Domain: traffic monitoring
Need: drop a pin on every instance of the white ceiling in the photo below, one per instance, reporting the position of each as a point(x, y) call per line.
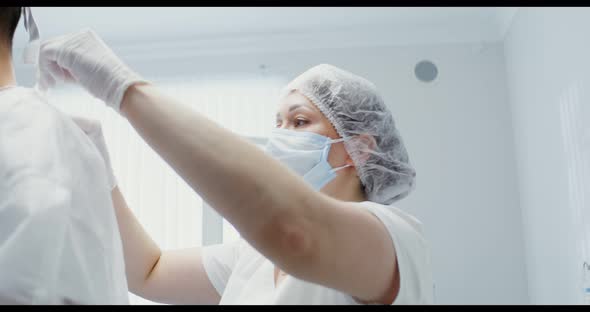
point(140, 24)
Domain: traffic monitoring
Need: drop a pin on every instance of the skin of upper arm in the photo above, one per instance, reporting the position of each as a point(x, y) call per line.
point(175, 276)
point(348, 249)
point(179, 277)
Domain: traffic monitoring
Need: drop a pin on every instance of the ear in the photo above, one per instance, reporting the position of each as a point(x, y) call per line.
point(364, 143)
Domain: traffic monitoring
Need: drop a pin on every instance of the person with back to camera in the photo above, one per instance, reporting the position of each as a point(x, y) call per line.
point(59, 237)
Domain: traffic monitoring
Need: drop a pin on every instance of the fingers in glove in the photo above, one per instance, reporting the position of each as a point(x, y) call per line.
point(58, 73)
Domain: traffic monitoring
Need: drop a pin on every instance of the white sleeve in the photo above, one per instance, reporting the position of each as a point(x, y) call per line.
point(413, 254)
point(219, 261)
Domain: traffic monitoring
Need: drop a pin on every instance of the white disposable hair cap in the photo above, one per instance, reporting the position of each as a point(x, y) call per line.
point(357, 111)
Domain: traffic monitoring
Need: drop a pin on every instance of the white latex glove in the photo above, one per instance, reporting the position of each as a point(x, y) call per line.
point(84, 58)
point(93, 130)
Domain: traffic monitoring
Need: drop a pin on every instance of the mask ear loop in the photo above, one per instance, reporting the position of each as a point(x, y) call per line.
point(31, 51)
point(341, 167)
point(338, 141)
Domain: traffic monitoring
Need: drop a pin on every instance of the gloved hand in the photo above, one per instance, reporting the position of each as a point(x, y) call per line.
point(93, 130)
point(84, 58)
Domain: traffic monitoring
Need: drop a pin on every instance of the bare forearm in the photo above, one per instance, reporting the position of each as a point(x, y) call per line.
point(140, 251)
point(249, 188)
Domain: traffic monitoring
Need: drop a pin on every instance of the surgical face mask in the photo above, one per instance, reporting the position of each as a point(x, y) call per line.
point(306, 153)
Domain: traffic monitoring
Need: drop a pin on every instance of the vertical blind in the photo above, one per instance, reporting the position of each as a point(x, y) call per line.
point(166, 206)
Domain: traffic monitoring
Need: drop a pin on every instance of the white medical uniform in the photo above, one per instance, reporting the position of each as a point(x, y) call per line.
point(241, 275)
point(59, 240)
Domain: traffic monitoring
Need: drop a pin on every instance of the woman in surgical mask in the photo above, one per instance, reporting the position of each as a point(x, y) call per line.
point(314, 209)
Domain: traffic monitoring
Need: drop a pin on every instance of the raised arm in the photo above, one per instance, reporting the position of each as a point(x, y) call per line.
point(305, 233)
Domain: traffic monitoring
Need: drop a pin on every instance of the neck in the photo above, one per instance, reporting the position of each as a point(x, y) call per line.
point(6, 70)
point(346, 187)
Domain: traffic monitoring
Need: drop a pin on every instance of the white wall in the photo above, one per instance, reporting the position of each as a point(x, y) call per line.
point(547, 52)
point(458, 133)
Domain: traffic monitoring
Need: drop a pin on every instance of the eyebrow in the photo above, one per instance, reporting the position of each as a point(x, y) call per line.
point(292, 108)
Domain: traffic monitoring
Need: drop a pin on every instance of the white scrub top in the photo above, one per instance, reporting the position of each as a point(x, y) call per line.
point(241, 275)
point(59, 239)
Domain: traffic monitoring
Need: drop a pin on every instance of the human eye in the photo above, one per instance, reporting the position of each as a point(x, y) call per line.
point(300, 122)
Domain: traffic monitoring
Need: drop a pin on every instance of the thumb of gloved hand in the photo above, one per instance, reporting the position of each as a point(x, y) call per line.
point(93, 130)
point(84, 58)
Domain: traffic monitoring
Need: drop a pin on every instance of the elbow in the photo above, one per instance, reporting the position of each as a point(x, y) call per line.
point(295, 245)
point(291, 237)
point(294, 238)
point(139, 284)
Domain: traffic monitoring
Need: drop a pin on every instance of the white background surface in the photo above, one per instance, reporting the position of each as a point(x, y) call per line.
point(548, 68)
